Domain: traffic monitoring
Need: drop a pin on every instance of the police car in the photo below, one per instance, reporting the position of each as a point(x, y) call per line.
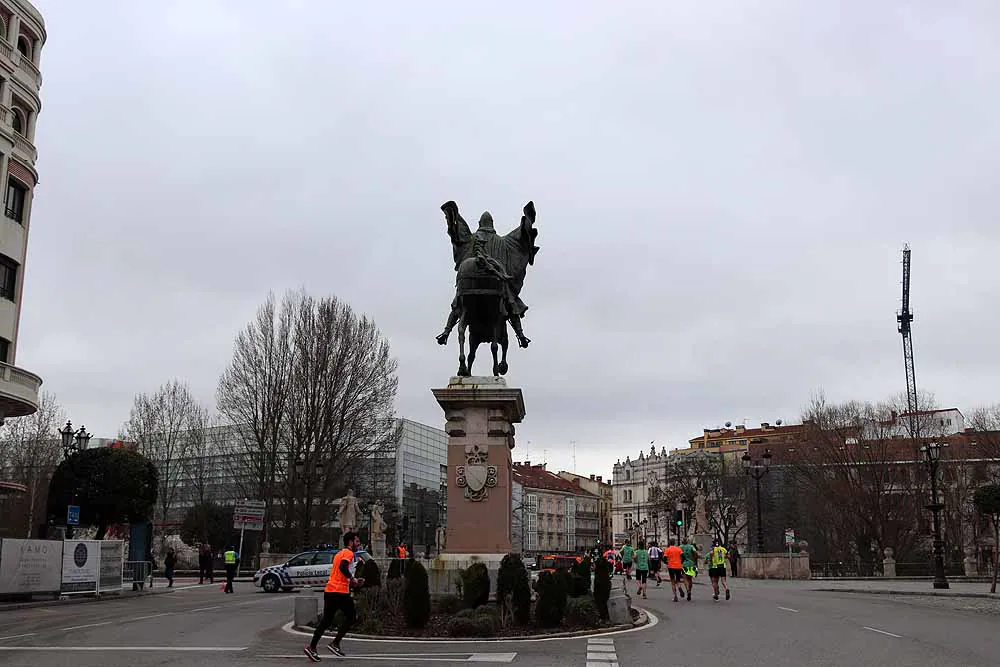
point(309, 568)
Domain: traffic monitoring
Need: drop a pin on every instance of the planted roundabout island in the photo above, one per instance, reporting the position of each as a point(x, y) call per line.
point(399, 605)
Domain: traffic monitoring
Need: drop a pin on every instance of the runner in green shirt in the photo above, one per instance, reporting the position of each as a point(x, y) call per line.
point(689, 559)
point(641, 568)
point(628, 554)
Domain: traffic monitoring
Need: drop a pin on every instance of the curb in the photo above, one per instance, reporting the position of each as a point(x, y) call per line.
point(642, 621)
point(83, 599)
point(932, 593)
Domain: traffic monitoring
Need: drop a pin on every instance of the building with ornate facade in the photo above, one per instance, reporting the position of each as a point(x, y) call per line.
point(22, 35)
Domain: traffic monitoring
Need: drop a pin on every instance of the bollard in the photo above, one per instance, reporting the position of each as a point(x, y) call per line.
point(306, 610)
point(619, 603)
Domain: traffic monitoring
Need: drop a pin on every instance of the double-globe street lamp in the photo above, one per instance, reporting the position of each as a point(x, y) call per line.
point(757, 470)
point(73, 442)
point(932, 456)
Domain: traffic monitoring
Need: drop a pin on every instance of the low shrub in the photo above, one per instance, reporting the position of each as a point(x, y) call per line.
point(449, 604)
point(469, 623)
point(581, 578)
point(582, 612)
point(395, 569)
point(416, 596)
point(514, 589)
point(476, 585)
point(371, 574)
point(602, 586)
point(551, 600)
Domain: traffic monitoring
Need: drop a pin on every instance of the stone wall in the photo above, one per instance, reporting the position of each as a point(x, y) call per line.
point(775, 566)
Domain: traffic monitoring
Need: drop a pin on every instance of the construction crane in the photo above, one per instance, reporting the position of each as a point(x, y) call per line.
point(905, 318)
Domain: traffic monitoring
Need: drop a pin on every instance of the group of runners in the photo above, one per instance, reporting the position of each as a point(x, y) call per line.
point(682, 566)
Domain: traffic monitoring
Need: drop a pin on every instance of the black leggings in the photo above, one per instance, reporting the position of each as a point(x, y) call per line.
point(332, 603)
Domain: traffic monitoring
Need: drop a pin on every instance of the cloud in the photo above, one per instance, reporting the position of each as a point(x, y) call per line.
point(722, 195)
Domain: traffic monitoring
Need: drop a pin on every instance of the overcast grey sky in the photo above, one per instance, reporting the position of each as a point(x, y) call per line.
point(723, 191)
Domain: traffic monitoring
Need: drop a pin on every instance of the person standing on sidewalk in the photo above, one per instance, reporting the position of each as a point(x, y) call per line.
point(337, 597)
point(232, 562)
point(641, 569)
point(734, 561)
point(169, 563)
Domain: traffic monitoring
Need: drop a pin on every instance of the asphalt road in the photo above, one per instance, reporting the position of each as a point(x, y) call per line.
point(766, 623)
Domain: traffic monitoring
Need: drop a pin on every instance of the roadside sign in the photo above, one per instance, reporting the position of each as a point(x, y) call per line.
point(789, 536)
point(73, 515)
point(249, 514)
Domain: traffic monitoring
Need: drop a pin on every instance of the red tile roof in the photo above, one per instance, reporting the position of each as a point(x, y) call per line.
point(537, 477)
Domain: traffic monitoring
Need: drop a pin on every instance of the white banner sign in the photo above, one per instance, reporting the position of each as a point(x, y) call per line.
point(30, 566)
point(112, 555)
point(81, 566)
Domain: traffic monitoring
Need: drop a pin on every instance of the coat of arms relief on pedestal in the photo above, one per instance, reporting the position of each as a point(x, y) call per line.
point(476, 477)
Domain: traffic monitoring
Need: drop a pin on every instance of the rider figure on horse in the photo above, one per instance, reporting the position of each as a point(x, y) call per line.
point(512, 306)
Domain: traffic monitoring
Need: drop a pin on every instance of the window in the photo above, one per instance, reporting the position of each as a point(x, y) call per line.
point(8, 277)
point(628, 475)
point(323, 558)
point(4, 350)
point(17, 120)
point(24, 47)
point(16, 193)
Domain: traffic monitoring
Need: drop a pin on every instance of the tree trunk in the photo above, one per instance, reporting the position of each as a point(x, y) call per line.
point(996, 554)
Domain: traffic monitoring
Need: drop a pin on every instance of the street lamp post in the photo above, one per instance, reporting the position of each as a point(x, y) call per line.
point(306, 475)
point(932, 456)
point(757, 470)
point(73, 442)
point(685, 505)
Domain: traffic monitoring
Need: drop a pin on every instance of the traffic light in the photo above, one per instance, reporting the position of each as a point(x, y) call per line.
point(678, 517)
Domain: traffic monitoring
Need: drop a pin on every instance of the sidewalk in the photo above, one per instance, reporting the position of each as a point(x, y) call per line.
point(159, 588)
point(891, 587)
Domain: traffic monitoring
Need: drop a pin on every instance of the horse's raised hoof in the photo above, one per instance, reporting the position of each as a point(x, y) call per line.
point(523, 341)
point(503, 368)
point(442, 338)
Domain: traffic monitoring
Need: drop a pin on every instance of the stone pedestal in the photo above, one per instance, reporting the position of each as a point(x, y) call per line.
point(888, 564)
point(703, 542)
point(619, 602)
point(480, 413)
point(970, 563)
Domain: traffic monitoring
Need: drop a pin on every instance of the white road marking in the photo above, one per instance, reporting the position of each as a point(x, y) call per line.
point(89, 625)
point(882, 632)
point(423, 657)
point(794, 611)
point(206, 608)
point(143, 618)
point(601, 653)
point(29, 634)
point(591, 663)
point(653, 621)
point(595, 640)
point(123, 648)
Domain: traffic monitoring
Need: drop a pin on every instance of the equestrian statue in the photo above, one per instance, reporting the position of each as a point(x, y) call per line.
point(490, 272)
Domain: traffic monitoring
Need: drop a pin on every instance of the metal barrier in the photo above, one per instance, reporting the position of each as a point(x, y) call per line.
point(138, 573)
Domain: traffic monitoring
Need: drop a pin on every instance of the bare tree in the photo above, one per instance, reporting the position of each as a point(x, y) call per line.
point(313, 387)
point(343, 392)
point(724, 489)
point(856, 482)
point(161, 424)
point(29, 452)
point(985, 421)
point(253, 395)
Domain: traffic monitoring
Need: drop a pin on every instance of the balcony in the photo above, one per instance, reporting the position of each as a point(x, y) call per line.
point(29, 68)
point(24, 148)
point(18, 391)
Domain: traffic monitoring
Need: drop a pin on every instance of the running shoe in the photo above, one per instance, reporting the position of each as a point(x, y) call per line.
point(311, 653)
point(336, 650)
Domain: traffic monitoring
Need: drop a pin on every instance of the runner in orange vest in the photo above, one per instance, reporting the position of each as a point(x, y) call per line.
point(337, 597)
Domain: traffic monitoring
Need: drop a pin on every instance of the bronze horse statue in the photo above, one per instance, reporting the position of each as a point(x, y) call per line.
point(490, 272)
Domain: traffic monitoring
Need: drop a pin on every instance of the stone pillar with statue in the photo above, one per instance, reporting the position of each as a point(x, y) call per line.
point(481, 411)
